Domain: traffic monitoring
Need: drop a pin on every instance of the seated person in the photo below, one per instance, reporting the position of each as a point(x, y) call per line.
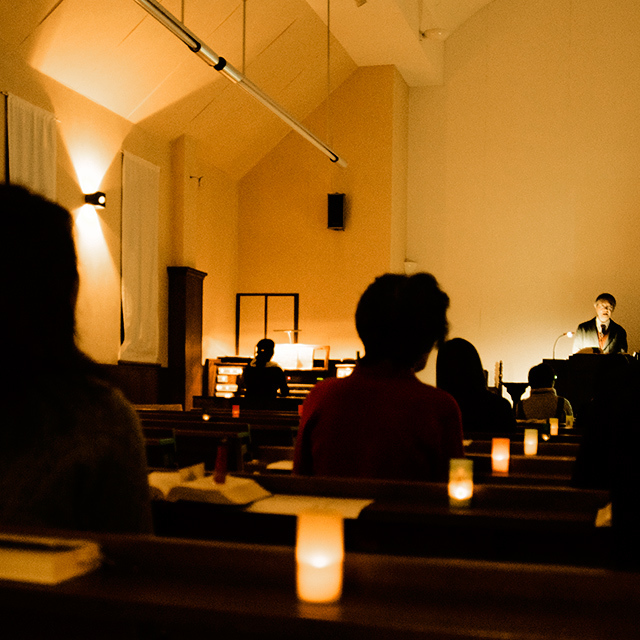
point(544, 402)
point(601, 334)
point(381, 421)
point(459, 371)
point(262, 379)
point(71, 448)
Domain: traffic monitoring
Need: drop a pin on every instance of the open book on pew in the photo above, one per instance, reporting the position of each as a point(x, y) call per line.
point(191, 483)
point(46, 560)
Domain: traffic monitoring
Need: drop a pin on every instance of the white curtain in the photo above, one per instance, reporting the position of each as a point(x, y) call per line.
point(32, 147)
point(140, 203)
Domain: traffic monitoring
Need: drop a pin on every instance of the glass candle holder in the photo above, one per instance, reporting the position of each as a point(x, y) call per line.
point(500, 452)
point(460, 482)
point(319, 556)
point(553, 426)
point(530, 442)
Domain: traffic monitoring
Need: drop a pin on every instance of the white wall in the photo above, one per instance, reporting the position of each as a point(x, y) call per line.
point(524, 198)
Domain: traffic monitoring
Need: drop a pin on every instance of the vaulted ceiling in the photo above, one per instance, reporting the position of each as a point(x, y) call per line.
point(116, 54)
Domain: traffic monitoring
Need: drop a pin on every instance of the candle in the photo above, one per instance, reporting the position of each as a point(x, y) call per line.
point(530, 442)
point(460, 482)
point(319, 556)
point(500, 455)
point(569, 422)
point(235, 411)
point(553, 426)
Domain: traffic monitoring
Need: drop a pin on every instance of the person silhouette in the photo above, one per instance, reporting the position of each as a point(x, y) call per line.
point(71, 448)
point(381, 421)
point(262, 380)
point(459, 371)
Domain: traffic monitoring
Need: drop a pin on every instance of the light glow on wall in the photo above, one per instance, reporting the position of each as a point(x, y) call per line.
point(89, 236)
point(98, 302)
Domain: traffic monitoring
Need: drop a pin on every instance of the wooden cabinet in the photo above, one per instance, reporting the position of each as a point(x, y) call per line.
point(185, 334)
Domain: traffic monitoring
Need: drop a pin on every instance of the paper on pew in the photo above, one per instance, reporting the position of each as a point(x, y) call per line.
point(191, 484)
point(603, 517)
point(292, 505)
point(281, 465)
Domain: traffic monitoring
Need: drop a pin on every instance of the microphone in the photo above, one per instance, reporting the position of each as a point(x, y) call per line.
point(569, 334)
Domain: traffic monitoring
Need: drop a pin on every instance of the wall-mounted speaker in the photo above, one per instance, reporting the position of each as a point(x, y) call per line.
point(335, 217)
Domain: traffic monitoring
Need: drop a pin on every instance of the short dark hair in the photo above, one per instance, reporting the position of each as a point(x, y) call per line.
point(401, 318)
point(541, 376)
point(265, 349)
point(38, 280)
point(608, 297)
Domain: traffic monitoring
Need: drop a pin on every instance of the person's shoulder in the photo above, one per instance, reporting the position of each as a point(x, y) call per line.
point(586, 324)
point(496, 399)
point(617, 327)
point(110, 404)
point(329, 384)
point(435, 394)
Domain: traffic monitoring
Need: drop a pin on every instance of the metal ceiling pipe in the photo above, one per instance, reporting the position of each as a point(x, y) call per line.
point(198, 47)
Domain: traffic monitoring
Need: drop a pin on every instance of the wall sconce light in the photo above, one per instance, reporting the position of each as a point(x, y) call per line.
point(97, 199)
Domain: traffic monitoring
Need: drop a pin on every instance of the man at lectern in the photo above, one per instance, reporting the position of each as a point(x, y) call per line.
point(601, 334)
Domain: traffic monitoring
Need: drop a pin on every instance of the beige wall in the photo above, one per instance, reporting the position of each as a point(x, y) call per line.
point(198, 212)
point(284, 243)
point(524, 198)
point(207, 214)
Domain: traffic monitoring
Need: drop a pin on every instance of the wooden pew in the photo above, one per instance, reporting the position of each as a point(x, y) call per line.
point(264, 429)
point(551, 448)
point(541, 470)
point(514, 523)
point(192, 446)
point(150, 587)
point(160, 445)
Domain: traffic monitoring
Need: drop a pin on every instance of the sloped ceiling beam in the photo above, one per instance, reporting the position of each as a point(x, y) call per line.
point(203, 51)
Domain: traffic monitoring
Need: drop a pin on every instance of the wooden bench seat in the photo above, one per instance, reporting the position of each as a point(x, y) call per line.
point(150, 587)
point(529, 524)
point(183, 447)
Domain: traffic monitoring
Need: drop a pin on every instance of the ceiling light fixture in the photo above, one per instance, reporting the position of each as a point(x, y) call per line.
point(220, 64)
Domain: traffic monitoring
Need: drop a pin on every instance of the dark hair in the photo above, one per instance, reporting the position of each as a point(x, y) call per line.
point(608, 297)
point(264, 349)
point(541, 376)
point(459, 368)
point(38, 284)
point(401, 318)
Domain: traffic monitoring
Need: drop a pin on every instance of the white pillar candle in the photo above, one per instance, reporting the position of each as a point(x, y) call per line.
point(530, 442)
point(460, 482)
point(500, 451)
point(553, 426)
point(319, 556)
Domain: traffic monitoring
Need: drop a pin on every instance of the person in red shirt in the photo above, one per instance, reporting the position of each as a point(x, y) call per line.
point(381, 421)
